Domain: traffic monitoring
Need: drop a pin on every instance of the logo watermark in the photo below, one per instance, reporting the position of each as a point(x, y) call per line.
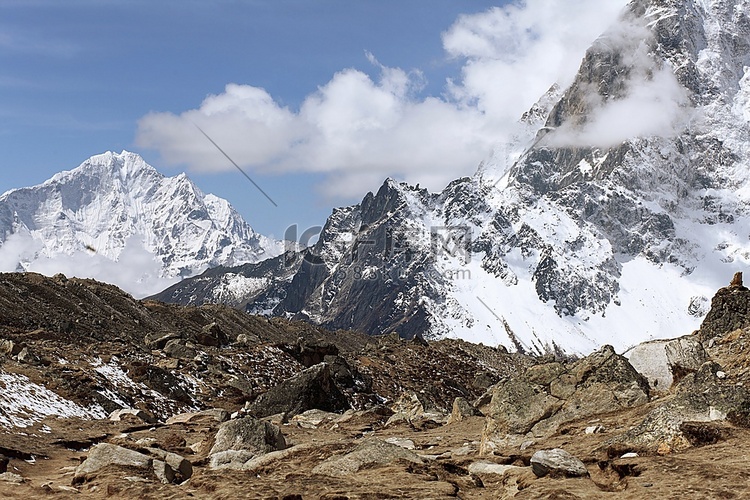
point(390, 256)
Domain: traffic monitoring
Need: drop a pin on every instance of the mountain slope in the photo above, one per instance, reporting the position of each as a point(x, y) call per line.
point(116, 207)
point(625, 205)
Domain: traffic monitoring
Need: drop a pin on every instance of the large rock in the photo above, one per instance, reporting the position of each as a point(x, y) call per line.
point(685, 355)
point(211, 335)
point(462, 409)
point(517, 405)
point(210, 416)
point(313, 388)
point(370, 452)
point(250, 435)
point(664, 362)
point(730, 310)
point(175, 348)
point(182, 467)
point(132, 413)
point(650, 360)
point(104, 454)
point(548, 395)
point(700, 397)
point(557, 462)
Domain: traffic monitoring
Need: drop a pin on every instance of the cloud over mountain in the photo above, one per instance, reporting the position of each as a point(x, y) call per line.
point(357, 129)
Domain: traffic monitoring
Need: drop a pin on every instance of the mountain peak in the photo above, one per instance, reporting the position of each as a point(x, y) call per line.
point(115, 207)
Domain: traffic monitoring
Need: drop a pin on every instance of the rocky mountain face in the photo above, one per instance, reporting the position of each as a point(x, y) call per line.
point(102, 395)
point(617, 211)
point(117, 207)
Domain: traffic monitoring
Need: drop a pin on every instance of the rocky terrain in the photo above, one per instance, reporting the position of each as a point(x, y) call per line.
point(102, 395)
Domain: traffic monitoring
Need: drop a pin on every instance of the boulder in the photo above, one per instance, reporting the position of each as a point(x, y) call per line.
point(312, 352)
point(483, 380)
point(133, 413)
point(182, 468)
point(557, 462)
point(248, 434)
point(462, 409)
point(650, 360)
point(313, 388)
point(159, 340)
point(212, 415)
point(700, 397)
point(176, 349)
point(663, 362)
point(730, 310)
point(105, 454)
point(517, 405)
point(211, 335)
point(164, 472)
point(548, 395)
point(369, 453)
point(685, 355)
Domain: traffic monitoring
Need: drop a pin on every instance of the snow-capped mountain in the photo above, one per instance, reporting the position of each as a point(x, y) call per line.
point(620, 207)
point(116, 207)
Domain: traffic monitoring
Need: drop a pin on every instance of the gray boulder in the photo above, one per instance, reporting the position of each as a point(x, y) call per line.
point(182, 467)
point(664, 362)
point(248, 434)
point(700, 397)
point(369, 453)
point(105, 454)
point(549, 395)
point(462, 409)
point(176, 349)
point(134, 413)
point(730, 310)
point(313, 388)
point(557, 462)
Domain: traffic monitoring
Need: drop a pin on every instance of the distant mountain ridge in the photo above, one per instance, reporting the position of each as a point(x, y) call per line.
point(114, 205)
point(621, 206)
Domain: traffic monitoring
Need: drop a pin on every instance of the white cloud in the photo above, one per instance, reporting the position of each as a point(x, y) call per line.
point(136, 270)
point(355, 128)
point(653, 102)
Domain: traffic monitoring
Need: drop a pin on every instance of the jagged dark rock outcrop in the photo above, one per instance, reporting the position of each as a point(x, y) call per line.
point(730, 310)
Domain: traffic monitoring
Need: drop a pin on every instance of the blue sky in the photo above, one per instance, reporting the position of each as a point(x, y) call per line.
point(318, 101)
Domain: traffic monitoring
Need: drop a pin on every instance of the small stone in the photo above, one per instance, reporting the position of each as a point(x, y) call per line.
point(488, 469)
point(629, 455)
point(721, 374)
point(526, 444)
point(10, 477)
point(594, 429)
point(716, 414)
